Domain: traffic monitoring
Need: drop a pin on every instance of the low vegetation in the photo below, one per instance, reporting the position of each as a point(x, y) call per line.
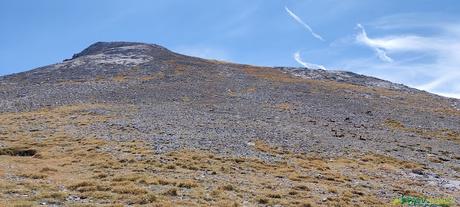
point(43, 162)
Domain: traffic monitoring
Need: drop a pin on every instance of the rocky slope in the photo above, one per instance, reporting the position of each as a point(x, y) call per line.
point(171, 102)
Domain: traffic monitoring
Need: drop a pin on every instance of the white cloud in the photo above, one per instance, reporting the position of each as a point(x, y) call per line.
point(382, 55)
point(306, 64)
point(300, 21)
point(437, 57)
point(401, 43)
point(362, 38)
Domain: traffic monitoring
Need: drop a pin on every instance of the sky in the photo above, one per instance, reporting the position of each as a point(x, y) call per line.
point(413, 42)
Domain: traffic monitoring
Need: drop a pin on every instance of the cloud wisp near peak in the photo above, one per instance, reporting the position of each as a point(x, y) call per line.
point(300, 21)
point(299, 60)
point(379, 51)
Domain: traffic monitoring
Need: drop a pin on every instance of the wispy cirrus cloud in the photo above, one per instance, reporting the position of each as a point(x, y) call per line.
point(300, 21)
point(421, 50)
point(307, 64)
point(437, 68)
point(296, 55)
point(374, 44)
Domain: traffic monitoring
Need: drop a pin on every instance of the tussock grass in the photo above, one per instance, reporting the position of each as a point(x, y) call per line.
point(92, 169)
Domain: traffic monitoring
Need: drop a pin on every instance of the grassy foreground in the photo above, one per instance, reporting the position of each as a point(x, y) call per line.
point(42, 162)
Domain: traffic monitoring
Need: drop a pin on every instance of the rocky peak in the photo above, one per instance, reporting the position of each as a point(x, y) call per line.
point(346, 77)
point(122, 48)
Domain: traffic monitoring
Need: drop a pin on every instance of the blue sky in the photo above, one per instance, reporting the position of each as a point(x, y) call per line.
point(415, 42)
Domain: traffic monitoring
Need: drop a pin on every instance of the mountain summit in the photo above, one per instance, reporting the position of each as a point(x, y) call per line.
point(129, 113)
point(120, 48)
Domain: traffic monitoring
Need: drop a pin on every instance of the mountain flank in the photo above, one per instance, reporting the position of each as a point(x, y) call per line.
point(124, 123)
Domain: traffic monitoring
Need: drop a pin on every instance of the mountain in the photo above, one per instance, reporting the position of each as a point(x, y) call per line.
point(134, 123)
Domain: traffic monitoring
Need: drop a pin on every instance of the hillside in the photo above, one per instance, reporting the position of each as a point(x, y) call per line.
point(124, 123)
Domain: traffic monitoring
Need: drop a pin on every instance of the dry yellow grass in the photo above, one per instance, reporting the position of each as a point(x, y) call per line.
point(69, 171)
point(272, 74)
point(419, 101)
point(119, 78)
point(284, 106)
point(446, 134)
